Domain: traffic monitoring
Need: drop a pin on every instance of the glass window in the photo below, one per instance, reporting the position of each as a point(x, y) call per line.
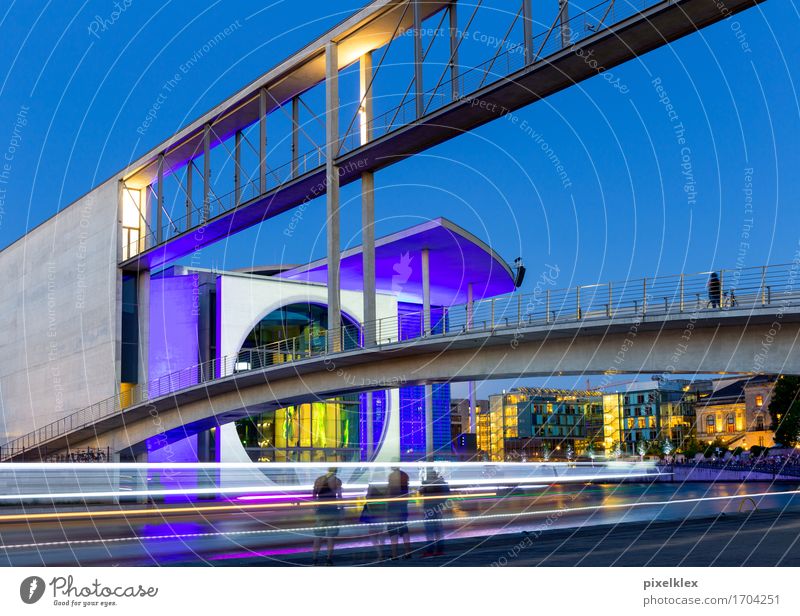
point(759, 400)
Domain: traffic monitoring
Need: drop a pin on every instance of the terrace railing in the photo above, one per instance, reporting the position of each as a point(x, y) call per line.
point(740, 290)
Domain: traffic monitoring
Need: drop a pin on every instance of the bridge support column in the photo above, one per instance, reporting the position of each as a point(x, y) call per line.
point(295, 136)
point(429, 423)
point(426, 293)
point(143, 323)
point(237, 167)
point(426, 326)
point(332, 193)
point(160, 201)
point(454, 89)
point(206, 172)
point(418, 87)
point(262, 140)
point(473, 423)
point(527, 29)
point(566, 35)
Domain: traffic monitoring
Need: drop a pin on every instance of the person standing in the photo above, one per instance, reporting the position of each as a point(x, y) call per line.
point(714, 290)
point(436, 487)
point(327, 490)
point(374, 514)
point(397, 511)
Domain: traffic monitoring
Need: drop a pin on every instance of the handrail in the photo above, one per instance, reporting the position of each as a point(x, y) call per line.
point(652, 298)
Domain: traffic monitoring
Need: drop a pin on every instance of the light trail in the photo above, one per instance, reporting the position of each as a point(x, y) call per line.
point(310, 529)
point(33, 517)
point(288, 490)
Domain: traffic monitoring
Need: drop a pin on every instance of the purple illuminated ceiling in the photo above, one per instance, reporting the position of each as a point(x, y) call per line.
point(457, 258)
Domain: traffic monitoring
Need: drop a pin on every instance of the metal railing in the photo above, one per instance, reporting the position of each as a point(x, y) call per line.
point(580, 26)
point(740, 289)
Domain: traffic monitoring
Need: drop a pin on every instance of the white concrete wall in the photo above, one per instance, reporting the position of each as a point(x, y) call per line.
point(244, 300)
point(58, 315)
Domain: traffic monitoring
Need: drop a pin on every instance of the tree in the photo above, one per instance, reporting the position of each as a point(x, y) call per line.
point(784, 408)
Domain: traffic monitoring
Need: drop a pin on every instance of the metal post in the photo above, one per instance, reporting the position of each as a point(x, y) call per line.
point(189, 202)
point(332, 189)
point(565, 29)
point(368, 253)
point(426, 293)
point(519, 308)
point(547, 306)
point(454, 50)
point(237, 164)
point(578, 301)
point(527, 29)
point(644, 296)
point(418, 87)
point(262, 140)
point(491, 314)
point(610, 300)
point(206, 172)
point(681, 292)
point(763, 285)
point(365, 91)
point(296, 136)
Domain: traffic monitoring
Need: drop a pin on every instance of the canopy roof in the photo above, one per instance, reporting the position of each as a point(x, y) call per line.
point(456, 259)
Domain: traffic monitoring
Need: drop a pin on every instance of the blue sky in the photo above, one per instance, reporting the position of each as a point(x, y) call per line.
point(626, 213)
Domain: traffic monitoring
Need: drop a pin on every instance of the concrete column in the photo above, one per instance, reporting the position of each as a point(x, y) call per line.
point(189, 188)
point(527, 29)
point(365, 96)
point(332, 193)
point(418, 86)
point(295, 137)
point(368, 255)
point(565, 34)
point(426, 292)
point(160, 201)
point(472, 396)
point(429, 422)
point(140, 475)
point(456, 94)
point(237, 167)
point(206, 172)
point(262, 140)
point(143, 313)
point(370, 427)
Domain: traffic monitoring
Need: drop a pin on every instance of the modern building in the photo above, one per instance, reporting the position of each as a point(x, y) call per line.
point(531, 423)
point(652, 412)
point(180, 317)
point(736, 413)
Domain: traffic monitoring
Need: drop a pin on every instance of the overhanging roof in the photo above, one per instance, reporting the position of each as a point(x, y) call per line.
point(456, 259)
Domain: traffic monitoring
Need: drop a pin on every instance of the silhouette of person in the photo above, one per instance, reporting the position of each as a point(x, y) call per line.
point(434, 485)
point(374, 512)
point(327, 489)
point(714, 290)
point(397, 511)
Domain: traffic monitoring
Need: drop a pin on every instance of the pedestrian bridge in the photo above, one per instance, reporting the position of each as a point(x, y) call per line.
point(660, 325)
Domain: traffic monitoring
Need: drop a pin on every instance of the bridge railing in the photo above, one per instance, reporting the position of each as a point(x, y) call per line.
point(508, 59)
point(740, 289)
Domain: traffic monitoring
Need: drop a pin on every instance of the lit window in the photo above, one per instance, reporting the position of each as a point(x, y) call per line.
point(759, 400)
